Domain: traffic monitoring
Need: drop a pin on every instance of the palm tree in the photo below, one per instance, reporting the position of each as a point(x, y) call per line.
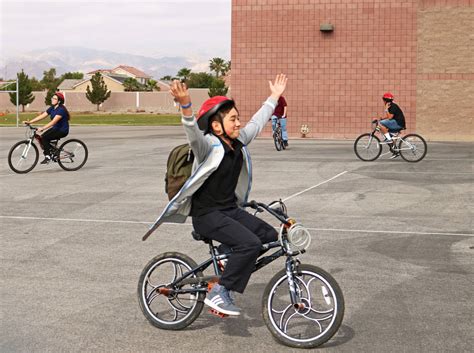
point(184, 73)
point(217, 65)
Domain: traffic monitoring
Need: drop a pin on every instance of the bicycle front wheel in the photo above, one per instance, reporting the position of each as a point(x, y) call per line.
point(312, 323)
point(367, 147)
point(169, 307)
point(277, 140)
point(412, 148)
point(72, 155)
point(23, 157)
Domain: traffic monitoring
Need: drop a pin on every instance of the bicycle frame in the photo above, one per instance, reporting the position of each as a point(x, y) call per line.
point(290, 264)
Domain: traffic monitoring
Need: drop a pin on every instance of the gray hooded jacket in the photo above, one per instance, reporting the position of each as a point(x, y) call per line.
point(209, 152)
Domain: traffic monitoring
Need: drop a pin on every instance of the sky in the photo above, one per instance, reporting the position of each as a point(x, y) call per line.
point(155, 28)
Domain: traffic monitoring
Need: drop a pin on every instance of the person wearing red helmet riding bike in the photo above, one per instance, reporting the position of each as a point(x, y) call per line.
point(393, 119)
point(57, 128)
point(220, 183)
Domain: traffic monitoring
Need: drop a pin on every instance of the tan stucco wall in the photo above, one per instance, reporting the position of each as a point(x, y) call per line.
point(444, 111)
point(445, 68)
point(112, 85)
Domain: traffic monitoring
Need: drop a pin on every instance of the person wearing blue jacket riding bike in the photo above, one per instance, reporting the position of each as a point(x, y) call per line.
point(57, 128)
point(220, 183)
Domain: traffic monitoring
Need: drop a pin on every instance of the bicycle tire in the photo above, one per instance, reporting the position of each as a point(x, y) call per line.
point(283, 146)
point(412, 148)
point(277, 141)
point(367, 147)
point(147, 293)
point(72, 157)
point(14, 161)
point(328, 295)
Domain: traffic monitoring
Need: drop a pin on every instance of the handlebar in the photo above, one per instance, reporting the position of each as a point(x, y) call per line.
point(259, 207)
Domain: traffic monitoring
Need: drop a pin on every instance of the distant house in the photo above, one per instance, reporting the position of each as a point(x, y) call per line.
point(113, 78)
point(114, 83)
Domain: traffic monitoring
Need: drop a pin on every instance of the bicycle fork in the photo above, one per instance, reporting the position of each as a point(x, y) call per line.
point(292, 268)
point(26, 150)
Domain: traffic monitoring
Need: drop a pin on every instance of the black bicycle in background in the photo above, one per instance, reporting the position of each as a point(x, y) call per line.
point(411, 147)
point(278, 136)
point(302, 305)
point(24, 155)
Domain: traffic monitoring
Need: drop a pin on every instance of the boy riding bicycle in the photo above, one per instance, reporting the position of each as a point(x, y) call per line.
point(220, 183)
point(393, 120)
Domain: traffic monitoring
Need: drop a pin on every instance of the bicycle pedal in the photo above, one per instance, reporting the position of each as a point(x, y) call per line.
point(216, 313)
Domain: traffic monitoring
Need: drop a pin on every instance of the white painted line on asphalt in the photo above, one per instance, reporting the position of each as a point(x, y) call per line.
point(387, 232)
point(75, 220)
point(390, 172)
point(190, 225)
point(314, 186)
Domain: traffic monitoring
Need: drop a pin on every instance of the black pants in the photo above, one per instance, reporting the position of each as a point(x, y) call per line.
point(244, 233)
point(48, 136)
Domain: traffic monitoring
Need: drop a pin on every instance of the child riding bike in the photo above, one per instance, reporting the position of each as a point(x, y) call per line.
point(393, 120)
point(220, 183)
point(57, 128)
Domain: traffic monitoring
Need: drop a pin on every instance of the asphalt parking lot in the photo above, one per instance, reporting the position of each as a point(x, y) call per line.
point(398, 238)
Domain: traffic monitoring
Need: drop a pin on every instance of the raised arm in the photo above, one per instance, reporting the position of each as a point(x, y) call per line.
point(263, 115)
point(199, 144)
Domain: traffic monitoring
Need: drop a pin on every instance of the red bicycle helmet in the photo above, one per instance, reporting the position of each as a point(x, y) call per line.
point(388, 95)
point(60, 96)
point(209, 108)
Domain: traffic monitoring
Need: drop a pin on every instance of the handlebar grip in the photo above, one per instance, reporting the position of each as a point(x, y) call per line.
point(252, 204)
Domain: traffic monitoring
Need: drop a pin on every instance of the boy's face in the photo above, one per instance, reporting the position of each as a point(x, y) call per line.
point(231, 124)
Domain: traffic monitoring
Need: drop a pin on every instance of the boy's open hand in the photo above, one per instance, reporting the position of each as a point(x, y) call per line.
point(278, 87)
point(179, 91)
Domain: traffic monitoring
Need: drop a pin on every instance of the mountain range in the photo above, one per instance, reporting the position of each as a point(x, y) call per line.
point(72, 59)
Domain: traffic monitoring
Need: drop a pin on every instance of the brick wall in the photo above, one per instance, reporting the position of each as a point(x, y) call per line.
point(337, 78)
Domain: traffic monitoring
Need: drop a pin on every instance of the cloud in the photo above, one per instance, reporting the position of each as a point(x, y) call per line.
point(145, 27)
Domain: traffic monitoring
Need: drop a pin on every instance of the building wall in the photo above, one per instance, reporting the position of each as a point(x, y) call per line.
point(337, 78)
point(112, 85)
point(445, 67)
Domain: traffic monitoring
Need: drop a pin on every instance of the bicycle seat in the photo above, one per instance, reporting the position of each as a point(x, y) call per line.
point(199, 237)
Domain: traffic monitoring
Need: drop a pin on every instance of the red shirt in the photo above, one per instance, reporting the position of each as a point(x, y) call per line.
point(280, 108)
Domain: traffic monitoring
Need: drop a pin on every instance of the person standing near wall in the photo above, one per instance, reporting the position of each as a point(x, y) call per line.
point(280, 113)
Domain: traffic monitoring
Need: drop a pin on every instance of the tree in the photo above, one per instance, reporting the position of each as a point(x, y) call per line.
point(130, 84)
point(72, 75)
point(217, 88)
point(51, 83)
point(167, 78)
point(24, 91)
point(199, 80)
point(184, 73)
point(98, 94)
point(218, 65)
point(36, 85)
point(151, 85)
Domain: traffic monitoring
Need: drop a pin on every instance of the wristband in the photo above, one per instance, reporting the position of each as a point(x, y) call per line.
point(186, 106)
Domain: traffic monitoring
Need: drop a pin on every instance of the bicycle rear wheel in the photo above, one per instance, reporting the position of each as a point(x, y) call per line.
point(163, 307)
point(23, 157)
point(277, 140)
point(367, 147)
point(412, 148)
point(72, 155)
point(308, 326)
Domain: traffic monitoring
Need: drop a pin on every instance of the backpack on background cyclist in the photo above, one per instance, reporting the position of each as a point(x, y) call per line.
point(219, 184)
point(57, 128)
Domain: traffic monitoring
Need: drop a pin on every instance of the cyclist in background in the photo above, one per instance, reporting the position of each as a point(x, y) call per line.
point(280, 113)
point(392, 121)
point(57, 128)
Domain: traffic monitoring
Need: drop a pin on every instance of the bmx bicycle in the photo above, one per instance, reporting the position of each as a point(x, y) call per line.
point(411, 147)
point(302, 305)
point(24, 155)
point(278, 136)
